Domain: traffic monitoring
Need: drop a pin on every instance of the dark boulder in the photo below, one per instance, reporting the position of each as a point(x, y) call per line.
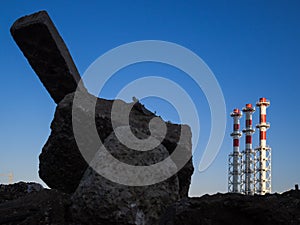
point(61, 163)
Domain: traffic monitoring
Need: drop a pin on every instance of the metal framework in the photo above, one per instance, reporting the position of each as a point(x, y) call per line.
point(235, 158)
point(248, 169)
point(234, 171)
point(249, 172)
point(263, 152)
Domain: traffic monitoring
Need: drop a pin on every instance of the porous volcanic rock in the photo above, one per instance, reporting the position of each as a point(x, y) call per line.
point(236, 209)
point(52, 207)
point(61, 163)
point(45, 207)
point(18, 190)
point(98, 200)
point(63, 167)
point(45, 50)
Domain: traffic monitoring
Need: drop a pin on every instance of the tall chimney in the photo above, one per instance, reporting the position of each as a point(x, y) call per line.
point(248, 161)
point(235, 157)
point(263, 151)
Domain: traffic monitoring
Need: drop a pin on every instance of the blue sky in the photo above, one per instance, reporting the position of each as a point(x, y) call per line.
point(252, 47)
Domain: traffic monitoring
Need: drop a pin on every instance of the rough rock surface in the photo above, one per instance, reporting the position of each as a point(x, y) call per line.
point(98, 200)
point(236, 209)
point(46, 207)
point(51, 207)
point(17, 190)
point(62, 165)
point(47, 54)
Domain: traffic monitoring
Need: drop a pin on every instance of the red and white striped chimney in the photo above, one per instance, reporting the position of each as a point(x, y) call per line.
point(263, 126)
point(236, 135)
point(248, 161)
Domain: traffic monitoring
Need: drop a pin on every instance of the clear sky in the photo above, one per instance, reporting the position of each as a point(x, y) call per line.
point(252, 47)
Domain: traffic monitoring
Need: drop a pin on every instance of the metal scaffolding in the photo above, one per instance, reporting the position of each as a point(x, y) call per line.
point(249, 171)
point(263, 152)
point(234, 171)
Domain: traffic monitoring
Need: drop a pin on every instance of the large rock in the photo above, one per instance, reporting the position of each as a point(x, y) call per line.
point(61, 163)
point(47, 54)
point(98, 200)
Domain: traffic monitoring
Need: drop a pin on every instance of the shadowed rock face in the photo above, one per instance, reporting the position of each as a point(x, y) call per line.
point(61, 163)
point(47, 54)
point(30, 204)
point(51, 207)
point(17, 190)
point(236, 209)
point(126, 204)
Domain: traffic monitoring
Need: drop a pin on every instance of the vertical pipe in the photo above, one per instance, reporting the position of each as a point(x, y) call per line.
point(248, 171)
point(236, 135)
point(262, 149)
